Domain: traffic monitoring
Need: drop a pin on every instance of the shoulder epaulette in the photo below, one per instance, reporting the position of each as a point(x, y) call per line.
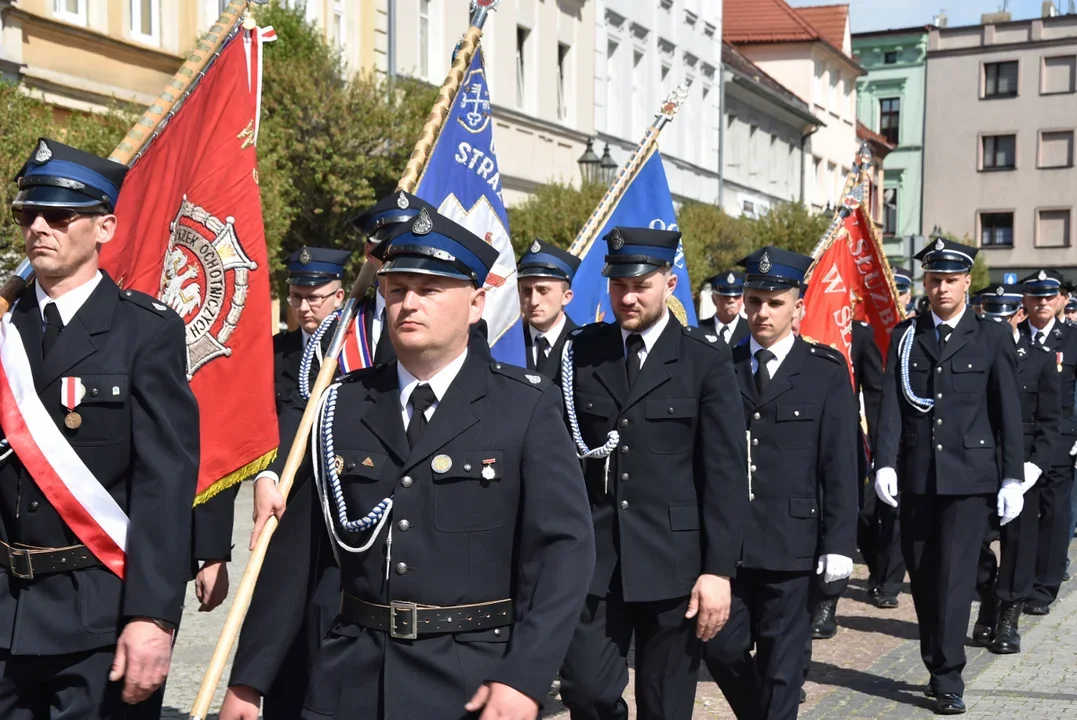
point(825, 351)
point(701, 335)
point(589, 329)
point(522, 375)
point(359, 374)
point(145, 301)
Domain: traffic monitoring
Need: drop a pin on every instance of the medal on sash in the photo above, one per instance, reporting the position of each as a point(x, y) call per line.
point(71, 393)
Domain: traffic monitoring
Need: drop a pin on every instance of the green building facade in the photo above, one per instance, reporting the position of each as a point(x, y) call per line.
point(890, 101)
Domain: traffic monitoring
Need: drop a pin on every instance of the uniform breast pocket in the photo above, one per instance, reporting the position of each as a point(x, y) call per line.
point(359, 466)
point(796, 425)
point(969, 375)
point(670, 424)
point(470, 496)
point(590, 406)
point(102, 417)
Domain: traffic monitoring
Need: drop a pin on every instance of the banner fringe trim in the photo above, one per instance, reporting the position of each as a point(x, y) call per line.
point(236, 476)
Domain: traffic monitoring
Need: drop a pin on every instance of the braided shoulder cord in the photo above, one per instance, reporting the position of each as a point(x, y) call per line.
point(309, 351)
point(923, 405)
point(324, 454)
point(567, 379)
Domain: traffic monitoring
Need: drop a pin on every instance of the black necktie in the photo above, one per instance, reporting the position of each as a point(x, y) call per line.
point(762, 373)
point(725, 334)
point(54, 324)
point(944, 335)
point(633, 344)
point(422, 397)
point(542, 349)
point(1041, 338)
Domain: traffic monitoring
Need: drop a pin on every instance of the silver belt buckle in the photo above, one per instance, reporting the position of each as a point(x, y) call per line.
point(18, 558)
point(401, 607)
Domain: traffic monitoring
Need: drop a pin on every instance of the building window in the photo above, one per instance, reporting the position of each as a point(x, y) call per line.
point(424, 38)
point(890, 119)
point(146, 20)
point(819, 85)
point(1053, 228)
point(340, 30)
point(890, 212)
point(1058, 75)
point(72, 11)
point(1056, 149)
point(835, 77)
point(639, 86)
point(1000, 79)
point(890, 57)
point(613, 90)
point(522, 34)
point(562, 82)
point(998, 152)
point(996, 229)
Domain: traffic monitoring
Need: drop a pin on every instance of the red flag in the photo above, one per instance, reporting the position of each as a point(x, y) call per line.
point(850, 279)
point(190, 233)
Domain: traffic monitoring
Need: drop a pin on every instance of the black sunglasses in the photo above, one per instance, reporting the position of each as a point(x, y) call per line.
point(55, 217)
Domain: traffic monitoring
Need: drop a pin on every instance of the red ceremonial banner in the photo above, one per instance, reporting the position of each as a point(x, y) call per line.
point(190, 233)
point(850, 280)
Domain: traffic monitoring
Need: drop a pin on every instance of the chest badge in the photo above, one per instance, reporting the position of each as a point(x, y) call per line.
point(488, 472)
point(72, 391)
point(368, 463)
point(338, 464)
point(441, 464)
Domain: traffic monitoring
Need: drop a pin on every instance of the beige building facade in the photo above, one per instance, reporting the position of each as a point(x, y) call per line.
point(999, 140)
point(88, 54)
point(539, 58)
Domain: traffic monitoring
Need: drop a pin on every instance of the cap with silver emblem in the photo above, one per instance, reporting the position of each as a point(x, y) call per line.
point(545, 259)
point(57, 175)
point(434, 245)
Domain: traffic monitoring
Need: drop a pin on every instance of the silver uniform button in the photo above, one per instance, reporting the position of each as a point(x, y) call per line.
point(624, 504)
point(403, 526)
point(406, 481)
point(939, 421)
point(939, 448)
point(756, 416)
point(939, 396)
point(755, 441)
point(938, 369)
point(497, 632)
point(401, 568)
point(624, 449)
point(753, 468)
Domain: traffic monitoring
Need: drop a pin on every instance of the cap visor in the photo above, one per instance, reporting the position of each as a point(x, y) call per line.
point(421, 266)
point(309, 281)
point(52, 196)
point(541, 272)
point(770, 285)
point(626, 270)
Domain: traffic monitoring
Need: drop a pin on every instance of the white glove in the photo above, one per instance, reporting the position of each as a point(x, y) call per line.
point(1032, 474)
point(1073, 450)
point(1011, 500)
point(886, 485)
point(837, 567)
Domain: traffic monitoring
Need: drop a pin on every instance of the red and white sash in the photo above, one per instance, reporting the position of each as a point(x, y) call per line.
point(72, 490)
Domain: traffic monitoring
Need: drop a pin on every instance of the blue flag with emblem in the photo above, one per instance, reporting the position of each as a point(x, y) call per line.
point(645, 203)
point(462, 181)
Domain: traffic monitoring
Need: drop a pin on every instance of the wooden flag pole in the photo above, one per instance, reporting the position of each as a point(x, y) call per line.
point(152, 120)
point(419, 157)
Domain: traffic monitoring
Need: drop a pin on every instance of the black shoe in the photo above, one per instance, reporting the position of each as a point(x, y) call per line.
point(929, 692)
point(1035, 607)
point(1007, 638)
point(824, 622)
point(983, 632)
point(803, 696)
point(884, 600)
point(949, 704)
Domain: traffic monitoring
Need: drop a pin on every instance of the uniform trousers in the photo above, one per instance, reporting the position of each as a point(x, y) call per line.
point(1052, 548)
point(1009, 578)
point(667, 653)
point(771, 612)
point(941, 536)
point(73, 686)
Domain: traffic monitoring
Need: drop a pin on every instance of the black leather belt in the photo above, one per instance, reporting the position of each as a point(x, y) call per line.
point(407, 621)
point(28, 562)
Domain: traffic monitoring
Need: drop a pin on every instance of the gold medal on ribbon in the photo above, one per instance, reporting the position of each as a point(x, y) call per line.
point(72, 420)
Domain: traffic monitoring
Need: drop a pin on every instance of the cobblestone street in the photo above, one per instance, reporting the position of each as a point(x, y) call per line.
point(872, 669)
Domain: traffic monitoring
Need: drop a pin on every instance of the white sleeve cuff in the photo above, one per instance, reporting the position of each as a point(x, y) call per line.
point(268, 474)
point(1032, 472)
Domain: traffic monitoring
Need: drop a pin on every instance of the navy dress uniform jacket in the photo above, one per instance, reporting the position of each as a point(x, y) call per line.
point(868, 374)
point(1062, 343)
point(804, 459)
point(140, 443)
point(1041, 409)
point(677, 489)
point(552, 367)
point(458, 538)
point(740, 332)
point(972, 439)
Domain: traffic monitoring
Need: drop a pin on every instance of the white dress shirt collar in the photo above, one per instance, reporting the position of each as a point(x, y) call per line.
point(69, 303)
point(650, 335)
point(780, 349)
point(952, 322)
point(552, 335)
point(439, 384)
point(1046, 329)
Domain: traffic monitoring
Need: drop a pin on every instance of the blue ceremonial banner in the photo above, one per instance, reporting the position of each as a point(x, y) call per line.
point(645, 203)
point(462, 180)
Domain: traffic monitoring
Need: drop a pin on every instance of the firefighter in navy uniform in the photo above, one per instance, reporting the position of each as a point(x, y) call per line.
point(727, 293)
point(802, 421)
point(1041, 303)
point(545, 274)
point(903, 284)
point(1004, 586)
point(949, 434)
point(456, 504)
point(668, 498)
point(276, 665)
point(66, 618)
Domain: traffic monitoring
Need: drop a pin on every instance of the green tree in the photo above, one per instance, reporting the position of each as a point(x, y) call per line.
point(791, 226)
point(713, 241)
point(556, 213)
